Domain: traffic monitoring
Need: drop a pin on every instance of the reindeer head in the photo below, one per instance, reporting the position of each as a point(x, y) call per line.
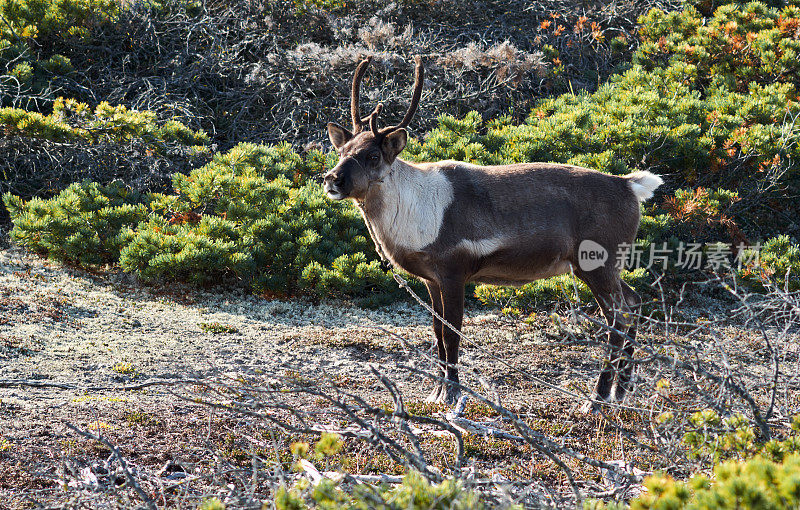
point(366, 157)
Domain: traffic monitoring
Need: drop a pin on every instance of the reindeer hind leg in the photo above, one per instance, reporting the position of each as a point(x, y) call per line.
point(625, 365)
point(607, 289)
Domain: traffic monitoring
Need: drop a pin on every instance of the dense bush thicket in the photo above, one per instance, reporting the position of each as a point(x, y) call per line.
point(46, 153)
point(49, 142)
point(253, 214)
point(709, 100)
point(275, 70)
point(85, 224)
point(72, 121)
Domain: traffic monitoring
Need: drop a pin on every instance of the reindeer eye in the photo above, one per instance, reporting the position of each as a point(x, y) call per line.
point(373, 157)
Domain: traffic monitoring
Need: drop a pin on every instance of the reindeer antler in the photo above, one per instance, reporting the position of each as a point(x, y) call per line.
point(419, 78)
point(355, 114)
point(373, 118)
point(358, 122)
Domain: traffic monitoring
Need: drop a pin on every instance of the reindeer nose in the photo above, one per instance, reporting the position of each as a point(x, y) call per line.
point(337, 178)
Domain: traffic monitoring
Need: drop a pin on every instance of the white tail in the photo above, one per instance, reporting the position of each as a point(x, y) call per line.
point(643, 184)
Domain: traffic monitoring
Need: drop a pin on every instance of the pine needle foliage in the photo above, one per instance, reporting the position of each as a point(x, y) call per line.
point(756, 483)
point(736, 470)
point(86, 224)
point(256, 213)
point(72, 121)
point(33, 33)
point(415, 493)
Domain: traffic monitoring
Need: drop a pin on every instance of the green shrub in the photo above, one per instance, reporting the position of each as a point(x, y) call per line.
point(742, 43)
point(746, 473)
point(253, 213)
point(415, 493)
point(657, 119)
point(35, 33)
point(534, 294)
point(74, 121)
point(756, 483)
point(778, 262)
point(103, 143)
point(710, 438)
point(85, 224)
point(713, 438)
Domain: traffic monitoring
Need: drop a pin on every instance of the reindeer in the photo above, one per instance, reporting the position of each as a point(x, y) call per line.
point(450, 223)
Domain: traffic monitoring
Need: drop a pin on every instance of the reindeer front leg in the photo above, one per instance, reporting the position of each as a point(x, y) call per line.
point(453, 306)
point(447, 300)
point(435, 292)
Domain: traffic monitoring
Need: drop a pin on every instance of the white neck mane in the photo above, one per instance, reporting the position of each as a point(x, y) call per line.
point(413, 203)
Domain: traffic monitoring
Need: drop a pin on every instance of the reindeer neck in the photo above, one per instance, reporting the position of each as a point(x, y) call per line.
point(407, 208)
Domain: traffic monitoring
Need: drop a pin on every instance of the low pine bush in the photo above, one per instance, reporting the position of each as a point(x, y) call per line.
point(252, 214)
point(563, 288)
point(86, 224)
point(414, 493)
point(735, 470)
point(756, 483)
point(35, 34)
point(73, 121)
point(255, 213)
point(777, 262)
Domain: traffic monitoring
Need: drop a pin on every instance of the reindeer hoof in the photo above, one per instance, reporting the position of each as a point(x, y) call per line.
point(620, 391)
point(593, 405)
point(590, 407)
point(444, 394)
point(451, 395)
point(437, 395)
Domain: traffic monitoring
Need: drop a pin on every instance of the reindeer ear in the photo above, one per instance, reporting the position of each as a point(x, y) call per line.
point(338, 135)
point(395, 142)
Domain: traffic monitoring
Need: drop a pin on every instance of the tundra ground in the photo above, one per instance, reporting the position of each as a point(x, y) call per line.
point(95, 333)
